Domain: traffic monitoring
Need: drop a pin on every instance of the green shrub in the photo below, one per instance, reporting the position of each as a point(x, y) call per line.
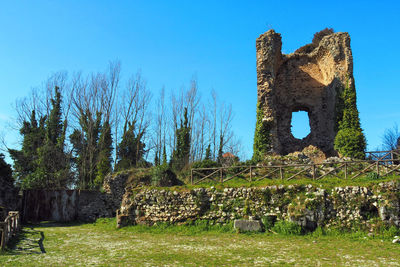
point(207, 163)
point(390, 232)
point(287, 228)
point(372, 176)
point(349, 140)
point(163, 176)
point(351, 143)
point(268, 222)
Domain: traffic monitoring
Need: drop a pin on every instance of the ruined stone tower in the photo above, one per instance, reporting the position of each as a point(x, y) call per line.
point(311, 79)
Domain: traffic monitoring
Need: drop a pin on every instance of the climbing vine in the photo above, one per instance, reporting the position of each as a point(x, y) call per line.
point(262, 136)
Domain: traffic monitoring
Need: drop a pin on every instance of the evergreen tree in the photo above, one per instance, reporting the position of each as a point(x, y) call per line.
point(86, 150)
point(181, 153)
point(156, 160)
point(5, 170)
point(25, 160)
point(131, 149)
point(105, 154)
point(53, 169)
point(164, 156)
point(350, 140)
point(208, 153)
point(220, 152)
point(54, 124)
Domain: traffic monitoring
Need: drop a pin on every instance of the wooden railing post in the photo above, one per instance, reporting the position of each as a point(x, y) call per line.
point(352, 173)
point(313, 171)
point(9, 230)
point(9, 227)
point(377, 167)
point(3, 235)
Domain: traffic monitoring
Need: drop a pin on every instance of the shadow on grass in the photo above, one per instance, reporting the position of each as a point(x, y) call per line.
point(30, 239)
point(27, 241)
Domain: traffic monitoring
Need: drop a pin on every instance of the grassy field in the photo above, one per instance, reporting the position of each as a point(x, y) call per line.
point(100, 244)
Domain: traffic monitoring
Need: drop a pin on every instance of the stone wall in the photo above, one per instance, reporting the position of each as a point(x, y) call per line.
point(306, 205)
point(64, 205)
point(75, 205)
point(114, 187)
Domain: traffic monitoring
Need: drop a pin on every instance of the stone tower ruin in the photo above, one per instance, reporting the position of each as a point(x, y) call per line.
point(311, 79)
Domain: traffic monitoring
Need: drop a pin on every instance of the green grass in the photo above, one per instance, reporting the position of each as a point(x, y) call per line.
point(328, 182)
point(194, 244)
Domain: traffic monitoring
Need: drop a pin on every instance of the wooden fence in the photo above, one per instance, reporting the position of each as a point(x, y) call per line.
point(9, 227)
point(382, 163)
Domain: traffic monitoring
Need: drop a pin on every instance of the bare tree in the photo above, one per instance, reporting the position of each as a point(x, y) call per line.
point(160, 128)
point(93, 99)
point(225, 127)
point(391, 138)
point(221, 136)
point(134, 108)
point(177, 107)
point(40, 97)
point(190, 100)
point(200, 139)
point(214, 123)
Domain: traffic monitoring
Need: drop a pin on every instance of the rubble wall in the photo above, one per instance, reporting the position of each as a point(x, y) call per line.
point(307, 206)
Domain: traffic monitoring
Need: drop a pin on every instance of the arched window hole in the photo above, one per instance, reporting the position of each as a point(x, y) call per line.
point(300, 124)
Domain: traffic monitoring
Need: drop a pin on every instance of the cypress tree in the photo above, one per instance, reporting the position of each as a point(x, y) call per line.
point(85, 143)
point(181, 153)
point(350, 140)
point(131, 149)
point(105, 154)
point(5, 170)
point(53, 169)
point(164, 156)
point(208, 153)
point(156, 160)
point(25, 160)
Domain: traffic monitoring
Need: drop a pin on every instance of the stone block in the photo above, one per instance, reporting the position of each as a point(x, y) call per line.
point(248, 225)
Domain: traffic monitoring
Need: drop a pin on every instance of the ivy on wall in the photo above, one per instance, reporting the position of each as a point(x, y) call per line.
point(262, 136)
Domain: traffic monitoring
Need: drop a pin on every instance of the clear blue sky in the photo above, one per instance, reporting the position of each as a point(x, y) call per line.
point(170, 41)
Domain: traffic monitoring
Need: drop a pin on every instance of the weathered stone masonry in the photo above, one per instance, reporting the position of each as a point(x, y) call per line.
point(310, 80)
point(306, 205)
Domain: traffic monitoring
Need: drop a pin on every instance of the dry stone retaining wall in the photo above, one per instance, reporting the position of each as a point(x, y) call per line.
point(308, 206)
